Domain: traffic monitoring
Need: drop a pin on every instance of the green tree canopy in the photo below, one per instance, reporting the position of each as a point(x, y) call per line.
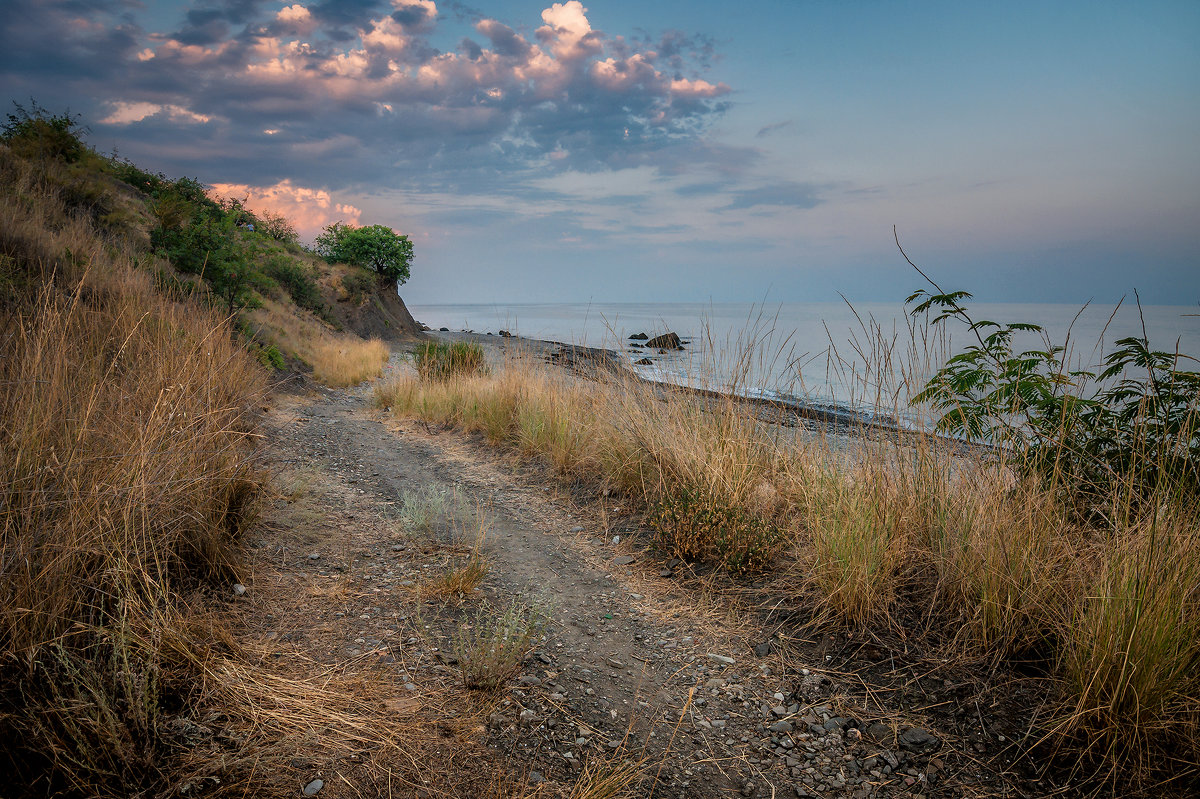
point(375, 247)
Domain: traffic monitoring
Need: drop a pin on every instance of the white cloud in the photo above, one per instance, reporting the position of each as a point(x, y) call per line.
point(126, 113)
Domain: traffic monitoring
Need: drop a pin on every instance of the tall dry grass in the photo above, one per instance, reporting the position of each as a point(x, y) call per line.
point(127, 471)
point(1001, 564)
point(337, 359)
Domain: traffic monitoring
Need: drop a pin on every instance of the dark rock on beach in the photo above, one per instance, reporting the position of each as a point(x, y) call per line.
point(643, 362)
point(667, 341)
point(638, 337)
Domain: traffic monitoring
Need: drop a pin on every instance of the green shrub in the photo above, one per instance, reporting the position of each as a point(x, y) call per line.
point(696, 524)
point(437, 361)
point(270, 357)
point(358, 283)
point(296, 280)
point(1135, 423)
point(493, 643)
point(36, 133)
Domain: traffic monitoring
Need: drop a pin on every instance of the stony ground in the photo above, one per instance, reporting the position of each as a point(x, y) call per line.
point(643, 662)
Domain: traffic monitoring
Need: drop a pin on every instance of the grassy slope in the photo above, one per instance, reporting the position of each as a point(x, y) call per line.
point(128, 470)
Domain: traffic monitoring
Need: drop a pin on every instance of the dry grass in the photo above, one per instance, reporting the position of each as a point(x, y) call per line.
point(337, 360)
point(127, 471)
point(1000, 560)
point(492, 643)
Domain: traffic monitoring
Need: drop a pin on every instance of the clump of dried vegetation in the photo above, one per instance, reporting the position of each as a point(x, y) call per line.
point(1067, 538)
point(128, 473)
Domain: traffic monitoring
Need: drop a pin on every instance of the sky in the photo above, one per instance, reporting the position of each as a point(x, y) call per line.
point(669, 151)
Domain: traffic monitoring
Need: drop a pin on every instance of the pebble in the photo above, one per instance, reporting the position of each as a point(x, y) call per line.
point(577, 529)
point(722, 659)
point(917, 740)
point(314, 787)
point(316, 556)
point(239, 589)
point(528, 717)
point(624, 560)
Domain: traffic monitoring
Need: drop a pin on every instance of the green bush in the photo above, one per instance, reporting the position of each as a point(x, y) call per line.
point(1134, 423)
point(270, 357)
point(296, 280)
point(695, 524)
point(357, 284)
point(36, 133)
point(437, 361)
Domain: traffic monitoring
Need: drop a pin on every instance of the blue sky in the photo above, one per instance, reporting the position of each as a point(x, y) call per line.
point(617, 151)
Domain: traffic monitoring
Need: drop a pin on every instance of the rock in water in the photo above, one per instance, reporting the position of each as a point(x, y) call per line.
point(638, 337)
point(667, 341)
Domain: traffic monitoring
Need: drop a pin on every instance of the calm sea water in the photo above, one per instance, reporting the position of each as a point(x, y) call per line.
point(861, 356)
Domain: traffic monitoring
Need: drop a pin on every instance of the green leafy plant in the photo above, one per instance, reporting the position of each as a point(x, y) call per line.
point(271, 357)
point(1135, 421)
point(374, 247)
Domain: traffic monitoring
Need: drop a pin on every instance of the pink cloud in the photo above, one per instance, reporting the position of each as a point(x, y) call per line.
point(309, 210)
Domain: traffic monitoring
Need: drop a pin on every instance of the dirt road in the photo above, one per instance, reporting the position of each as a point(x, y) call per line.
point(639, 662)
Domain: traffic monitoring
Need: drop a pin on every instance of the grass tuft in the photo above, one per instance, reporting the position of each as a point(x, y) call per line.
point(437, 361)
point(493, 642)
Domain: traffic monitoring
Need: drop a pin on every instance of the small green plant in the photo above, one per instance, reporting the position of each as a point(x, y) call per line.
point(437, 361)
point(272, 358)
point(493, 642)
point(696, 524)
point(421, 509)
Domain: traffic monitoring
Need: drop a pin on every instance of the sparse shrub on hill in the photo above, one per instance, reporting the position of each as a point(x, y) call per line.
point(277, 227)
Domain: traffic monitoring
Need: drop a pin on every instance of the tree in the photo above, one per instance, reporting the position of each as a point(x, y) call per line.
point(374, 247)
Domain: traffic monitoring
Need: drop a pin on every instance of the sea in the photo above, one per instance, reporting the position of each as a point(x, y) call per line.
point(864, 358)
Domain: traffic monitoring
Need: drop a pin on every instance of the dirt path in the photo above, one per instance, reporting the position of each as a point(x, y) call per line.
point(638, 662)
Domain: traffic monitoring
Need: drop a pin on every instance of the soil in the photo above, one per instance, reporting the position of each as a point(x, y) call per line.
point(700, 684)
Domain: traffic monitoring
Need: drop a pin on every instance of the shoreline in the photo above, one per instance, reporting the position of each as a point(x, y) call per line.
point(818, 418)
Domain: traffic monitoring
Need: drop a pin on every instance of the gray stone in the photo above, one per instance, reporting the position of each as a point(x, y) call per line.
point(783, 726)
point(624, 560)
point(529, 679)
point(763, 649)
point(528, 717)
point(917, 740)
point(881, 733)
point(314, 787)
point(239, 589)
point(316, 556)
point(722, 659)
